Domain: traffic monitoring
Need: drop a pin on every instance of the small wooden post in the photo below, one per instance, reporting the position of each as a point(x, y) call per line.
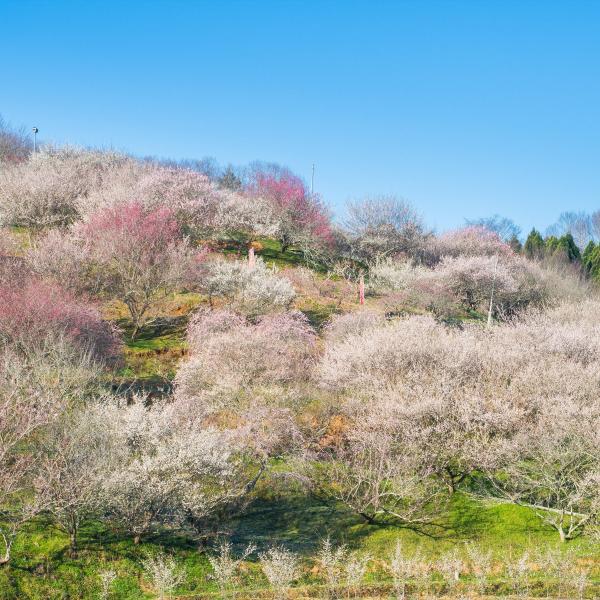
point(489, 319)
point(361, 290)
point(251, 258)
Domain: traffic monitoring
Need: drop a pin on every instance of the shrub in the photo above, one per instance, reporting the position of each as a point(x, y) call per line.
point(225, 566)
point(164, 572)
point(332, 562)
point(230, 356)
point(402, 568)
point(252, 291)
point(107, 579)
point(280, 567)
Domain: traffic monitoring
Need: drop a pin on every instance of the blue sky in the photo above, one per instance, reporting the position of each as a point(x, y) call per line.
point(464, 108)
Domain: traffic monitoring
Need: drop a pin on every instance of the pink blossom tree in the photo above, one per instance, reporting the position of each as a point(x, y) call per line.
point(128, 252)
point(191, 196)
point(301, 215)
point(37, 309)
point(473, 240)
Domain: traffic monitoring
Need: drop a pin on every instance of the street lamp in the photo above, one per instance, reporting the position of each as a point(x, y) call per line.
point(35, 131)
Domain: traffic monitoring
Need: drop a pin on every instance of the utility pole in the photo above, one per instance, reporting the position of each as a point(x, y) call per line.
point(312, 181)
point(35, 132)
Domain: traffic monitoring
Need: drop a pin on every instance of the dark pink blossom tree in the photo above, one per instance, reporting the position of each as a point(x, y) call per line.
point(36, 309)
point(128, 252)
point(301, 215)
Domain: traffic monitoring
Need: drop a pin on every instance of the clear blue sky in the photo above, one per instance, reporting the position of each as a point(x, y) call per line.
point(464, 108)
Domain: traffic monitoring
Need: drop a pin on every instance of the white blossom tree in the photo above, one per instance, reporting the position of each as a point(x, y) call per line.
point(35, 390)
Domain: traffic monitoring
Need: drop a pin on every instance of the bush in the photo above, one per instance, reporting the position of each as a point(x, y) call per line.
point(470, 241)
point(230, 356)
point(251, 291)
point(281, 567)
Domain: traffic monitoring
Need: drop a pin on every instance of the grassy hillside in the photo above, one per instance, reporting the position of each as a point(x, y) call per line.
point(43, 569)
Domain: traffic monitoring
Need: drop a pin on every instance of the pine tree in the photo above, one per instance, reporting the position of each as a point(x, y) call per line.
point(229, 180)
point(534, 245)
point(562, 246)
point(586, 257)
point(592, 263)
point(515, 244)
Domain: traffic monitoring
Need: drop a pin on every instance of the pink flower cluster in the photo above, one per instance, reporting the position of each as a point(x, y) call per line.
point(36, 309)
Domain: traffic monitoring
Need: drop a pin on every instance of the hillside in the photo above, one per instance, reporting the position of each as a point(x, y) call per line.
point(212, 390)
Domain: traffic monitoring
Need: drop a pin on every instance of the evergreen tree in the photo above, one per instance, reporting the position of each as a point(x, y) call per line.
point(567, 243)
point(229, 180)
point(586, 257)
point(562, 246)
point(534, 245)
point(592, 263)
point(515, 244)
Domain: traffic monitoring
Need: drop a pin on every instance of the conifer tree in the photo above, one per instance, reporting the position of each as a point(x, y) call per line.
point(534, 245)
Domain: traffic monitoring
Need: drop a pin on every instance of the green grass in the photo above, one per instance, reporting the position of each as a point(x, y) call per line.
point(42, 568)
point(272, 254)
point(318, 313)
point(158, 347)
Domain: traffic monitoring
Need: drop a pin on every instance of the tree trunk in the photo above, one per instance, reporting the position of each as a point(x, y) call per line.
point(73, 543)
point(368, 518)
point(136, 539)
point(561, 533)
point(136, 312)
point(452, 479)
point(136, 330)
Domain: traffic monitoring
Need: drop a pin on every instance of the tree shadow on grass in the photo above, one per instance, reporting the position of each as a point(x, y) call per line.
point(298, 523)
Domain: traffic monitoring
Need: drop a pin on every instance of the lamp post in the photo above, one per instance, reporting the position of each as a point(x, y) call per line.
point(35, 132)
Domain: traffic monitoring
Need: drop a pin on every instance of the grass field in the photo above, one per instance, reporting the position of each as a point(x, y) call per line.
point(43, 568)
